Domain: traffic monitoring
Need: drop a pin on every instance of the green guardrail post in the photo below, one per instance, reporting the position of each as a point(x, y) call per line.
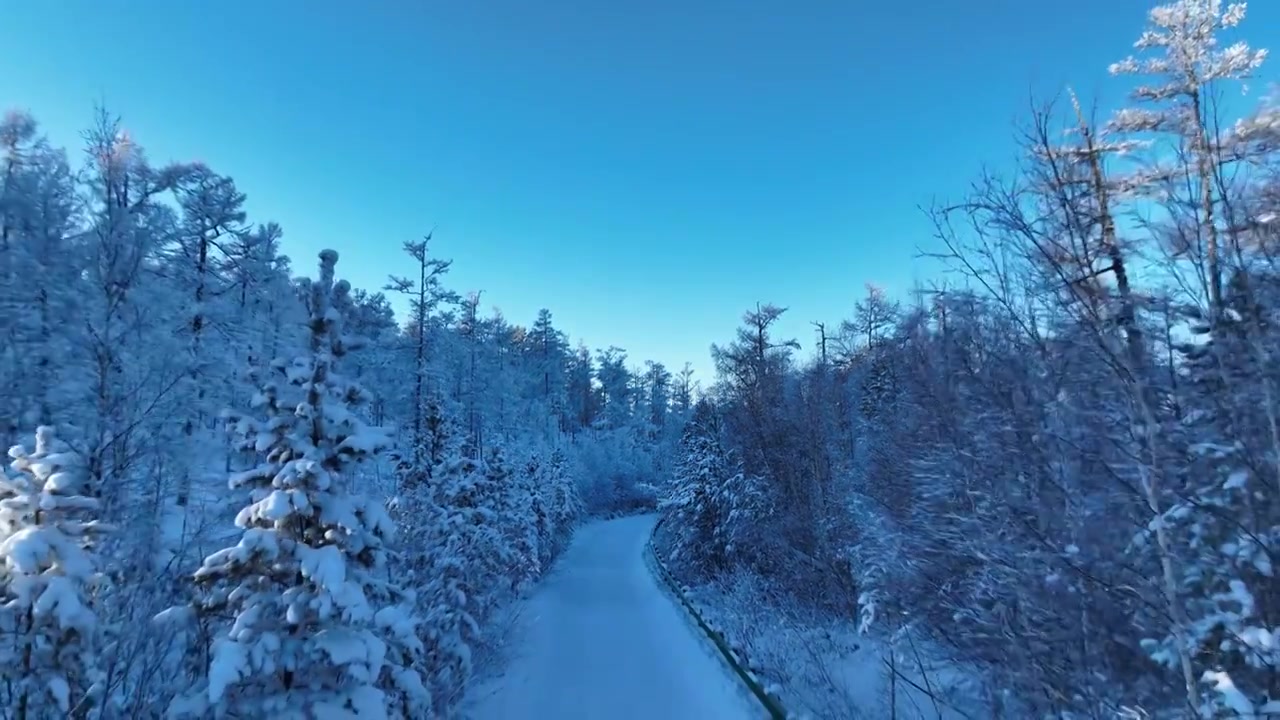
point(770, 703)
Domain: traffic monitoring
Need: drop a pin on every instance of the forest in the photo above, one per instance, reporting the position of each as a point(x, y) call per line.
point(1050, 469)
point(1036, 487)
point(205, 443)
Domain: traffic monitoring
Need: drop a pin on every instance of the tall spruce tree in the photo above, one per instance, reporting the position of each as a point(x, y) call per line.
point(318, 628)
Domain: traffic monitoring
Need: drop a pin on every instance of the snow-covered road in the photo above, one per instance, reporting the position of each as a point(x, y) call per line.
point(600, 639)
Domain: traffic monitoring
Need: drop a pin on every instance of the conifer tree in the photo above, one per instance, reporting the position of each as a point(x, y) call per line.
point(49, 631)
point(318, 629)
point(565, 503)
point(693, 502)
point(516, 516)
point(457, 591)
point(533, 478)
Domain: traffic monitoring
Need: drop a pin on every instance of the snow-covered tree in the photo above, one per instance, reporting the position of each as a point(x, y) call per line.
point(1187, 62)
point(318, 627)
point(467, 556)
point(130, 362)
point(533, 480)
point(657, 380)
point(583, 400)
point(518, 515)
point(615, 387)
point(450, 629)
point(211, 209)
point(564, 504)
point(682, 396)
point(471, 497)
point(547, 352)
point(40, 267)
point(692, 506)
point(50, 635)
point(425, 294)
point(711, 504)
point(436, 540)
point(1225, 521)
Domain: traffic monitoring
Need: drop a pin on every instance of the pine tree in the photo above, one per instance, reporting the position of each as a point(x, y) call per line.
point(712, 501)
point(425, 295)
point(584, 402)
point(473, 501)
point(434, 554)
point(49, 631)
point(460, 578)
point(534, 479)
point(318, 628)
point(416, 506)
point(692, 501)
point(615, 387)
point(449, 628)
point(565, 506)
point(516, 515)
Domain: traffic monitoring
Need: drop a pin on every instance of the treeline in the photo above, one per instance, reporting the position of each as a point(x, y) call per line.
point(153, 563)
point(1063, 472)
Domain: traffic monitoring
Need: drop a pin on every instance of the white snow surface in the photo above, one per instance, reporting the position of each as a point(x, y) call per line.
point(602, 639)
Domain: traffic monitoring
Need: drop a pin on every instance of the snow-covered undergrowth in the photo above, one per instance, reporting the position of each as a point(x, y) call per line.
point(711, 637)
point(821, 667)
point(492, 650)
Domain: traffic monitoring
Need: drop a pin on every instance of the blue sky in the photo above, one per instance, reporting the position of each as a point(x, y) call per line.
point(647, 170)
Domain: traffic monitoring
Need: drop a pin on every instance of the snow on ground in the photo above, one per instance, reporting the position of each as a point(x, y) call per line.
point(826, 670)
point(601, 639)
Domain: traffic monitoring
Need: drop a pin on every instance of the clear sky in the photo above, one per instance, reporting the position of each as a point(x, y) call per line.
point(646, 170)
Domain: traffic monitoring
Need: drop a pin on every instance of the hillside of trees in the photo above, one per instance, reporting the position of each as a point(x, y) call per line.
point(1059, 467)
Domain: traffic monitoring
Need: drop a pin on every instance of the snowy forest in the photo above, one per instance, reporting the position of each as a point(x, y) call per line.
point(1050, 469)
point(1035, 487)
point(205, 443)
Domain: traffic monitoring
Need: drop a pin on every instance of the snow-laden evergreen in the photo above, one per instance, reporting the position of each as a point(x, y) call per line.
point(451, 628)
point(318, 627)
point(515, 497)
point(50, 633)
point(470, 498)
point(694, 504)
point(564, 503)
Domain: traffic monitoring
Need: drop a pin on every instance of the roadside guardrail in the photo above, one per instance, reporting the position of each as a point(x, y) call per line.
point(768, 700)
